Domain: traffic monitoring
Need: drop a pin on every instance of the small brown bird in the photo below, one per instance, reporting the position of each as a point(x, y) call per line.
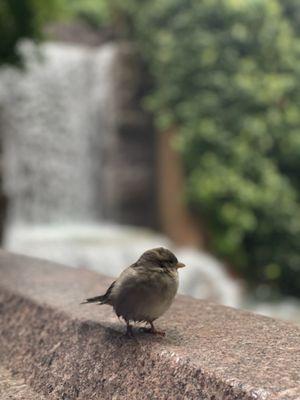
point(145, 290)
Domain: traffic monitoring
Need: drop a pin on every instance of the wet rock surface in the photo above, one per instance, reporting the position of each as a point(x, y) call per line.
point(66, 351)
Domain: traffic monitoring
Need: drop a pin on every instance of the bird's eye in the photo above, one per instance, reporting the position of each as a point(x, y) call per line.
point(167, 263)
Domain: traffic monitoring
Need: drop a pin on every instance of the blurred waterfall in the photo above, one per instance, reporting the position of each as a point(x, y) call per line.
point(56, 116)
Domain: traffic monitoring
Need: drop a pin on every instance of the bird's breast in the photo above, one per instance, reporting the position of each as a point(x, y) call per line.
point(144, 296)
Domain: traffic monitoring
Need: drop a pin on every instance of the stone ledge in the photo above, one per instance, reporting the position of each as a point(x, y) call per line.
point(66, 351)
point(15, 389)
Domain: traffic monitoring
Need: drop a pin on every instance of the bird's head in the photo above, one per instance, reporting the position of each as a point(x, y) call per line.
point(160, 257)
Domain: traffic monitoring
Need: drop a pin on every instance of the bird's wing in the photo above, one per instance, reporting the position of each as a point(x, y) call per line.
point(108, 292)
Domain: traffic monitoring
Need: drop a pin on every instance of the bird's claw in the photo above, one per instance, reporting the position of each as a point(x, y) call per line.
point(152, 331)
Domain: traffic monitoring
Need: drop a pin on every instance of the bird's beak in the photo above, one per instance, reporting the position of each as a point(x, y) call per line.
point(180, 265)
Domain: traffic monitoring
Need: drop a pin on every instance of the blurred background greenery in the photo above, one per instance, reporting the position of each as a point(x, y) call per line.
point(225, 76)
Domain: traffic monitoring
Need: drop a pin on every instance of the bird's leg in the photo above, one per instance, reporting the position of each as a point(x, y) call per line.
point(153, 330)
point(156, 332)
point(129, 332)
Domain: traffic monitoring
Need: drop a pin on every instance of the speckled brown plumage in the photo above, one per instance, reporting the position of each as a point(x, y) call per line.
point(144, 290)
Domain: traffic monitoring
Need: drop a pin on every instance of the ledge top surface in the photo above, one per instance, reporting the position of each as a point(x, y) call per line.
point(260, 355)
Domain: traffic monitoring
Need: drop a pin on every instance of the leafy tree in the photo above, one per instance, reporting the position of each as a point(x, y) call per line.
point(226, 74)
point(291, 9)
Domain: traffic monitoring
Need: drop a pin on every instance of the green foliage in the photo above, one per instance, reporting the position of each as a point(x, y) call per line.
point(226, 75)
point(291, 9)
point(21, 19)
point(95, 12)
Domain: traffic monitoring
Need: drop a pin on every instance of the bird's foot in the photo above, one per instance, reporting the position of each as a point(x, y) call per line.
point(153, 331)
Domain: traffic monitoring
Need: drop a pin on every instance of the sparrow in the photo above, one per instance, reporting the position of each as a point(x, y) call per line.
point(144, 290)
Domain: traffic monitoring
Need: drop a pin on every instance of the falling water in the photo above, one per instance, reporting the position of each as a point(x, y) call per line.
point(56, 124)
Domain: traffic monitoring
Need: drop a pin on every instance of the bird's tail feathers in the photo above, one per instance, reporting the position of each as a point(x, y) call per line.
point(103, 299)
point(97, 299)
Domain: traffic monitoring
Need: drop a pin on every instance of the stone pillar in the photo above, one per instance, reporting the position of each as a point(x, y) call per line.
point(175, 218)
